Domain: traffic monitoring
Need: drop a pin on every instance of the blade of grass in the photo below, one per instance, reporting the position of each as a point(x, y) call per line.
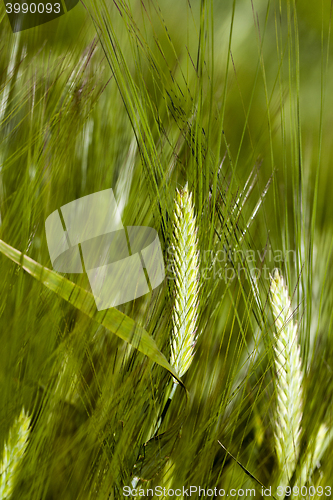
point(115, 321)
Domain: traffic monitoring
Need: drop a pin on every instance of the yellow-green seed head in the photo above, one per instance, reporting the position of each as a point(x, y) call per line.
point(186, 266)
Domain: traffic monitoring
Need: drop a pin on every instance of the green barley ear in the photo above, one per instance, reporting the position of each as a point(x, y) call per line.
point(289, 380)
point(315, 452)
point(12, 454)
point(186, 267)
point(186, 270)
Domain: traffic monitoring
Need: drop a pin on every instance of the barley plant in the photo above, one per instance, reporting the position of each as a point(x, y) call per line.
point(186, 269)
point(288, 380)
point(211, 122)
point(186, 297)
point(289, 395)
point(12, 454)
point(315, 452)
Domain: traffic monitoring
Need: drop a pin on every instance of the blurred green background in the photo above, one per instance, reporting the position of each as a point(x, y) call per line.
point(143, 97)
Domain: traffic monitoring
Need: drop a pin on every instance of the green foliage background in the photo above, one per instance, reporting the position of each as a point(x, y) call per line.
point(235, 99)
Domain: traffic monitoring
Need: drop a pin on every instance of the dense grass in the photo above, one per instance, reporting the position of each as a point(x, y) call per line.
point(234, 99)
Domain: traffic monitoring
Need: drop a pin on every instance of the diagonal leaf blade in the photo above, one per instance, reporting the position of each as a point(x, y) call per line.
point(112, 319)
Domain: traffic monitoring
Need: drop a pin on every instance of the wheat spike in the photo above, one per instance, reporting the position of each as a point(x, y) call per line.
point(289, 380)
point(186, 255)
point(12, 454)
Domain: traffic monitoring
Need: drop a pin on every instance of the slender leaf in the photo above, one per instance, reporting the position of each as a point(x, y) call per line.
point(112, 319)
